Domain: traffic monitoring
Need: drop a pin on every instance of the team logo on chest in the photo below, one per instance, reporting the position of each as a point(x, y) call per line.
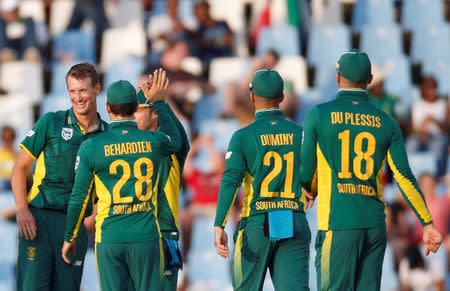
point(66, 133)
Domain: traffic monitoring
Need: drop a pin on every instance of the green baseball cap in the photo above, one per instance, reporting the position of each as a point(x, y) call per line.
point(143, 102)
point(354, 66)
point(267, 83)
point(121, 92)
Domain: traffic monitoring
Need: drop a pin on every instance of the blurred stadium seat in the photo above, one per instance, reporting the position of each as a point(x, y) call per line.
point(285, 40)
point(399, 78)
point(294, 69)
point(119, 43)
point(368, 13)
point(331, 14)
point(23, 78)
point(223, 70)
point(60, 15)
point(127, 11)
point(58, 78)
point(325, 79)
point(33, 9)
point(101, 106)
point(327, 43)
point(440, 69)
point(382, 42)
point(129, 68)
point(422, 162)
point(19, 116)
point(417, 14)
point(430, 43)
point(54, 102)
point(78, 44)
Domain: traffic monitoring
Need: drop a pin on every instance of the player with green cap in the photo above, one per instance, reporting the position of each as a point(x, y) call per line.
point(169, 182)
point(54, 142)
point(122, 164)
point(346, 143)
point(273, 232)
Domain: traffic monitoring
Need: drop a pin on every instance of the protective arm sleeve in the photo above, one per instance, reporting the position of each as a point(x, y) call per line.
point(398, 162)
point(308, 169)
point(81, 192)
point(235, 168)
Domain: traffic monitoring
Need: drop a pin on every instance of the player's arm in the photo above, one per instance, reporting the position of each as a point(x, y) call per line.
point(168, 127)
point(308, 167)
point(79, 198)
point(183, 136)
point(398, 162)
point(32, 146)
point(235, 168)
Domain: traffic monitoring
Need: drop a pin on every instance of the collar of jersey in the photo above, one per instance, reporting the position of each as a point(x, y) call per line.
point(71, 119)
point(353, 94)
point(272, 112)
point(125, 122)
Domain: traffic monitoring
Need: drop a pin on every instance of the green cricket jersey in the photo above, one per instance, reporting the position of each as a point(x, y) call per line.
point(170, 171)
point(346, 142)
point(265, 155)
point(54, 141)
point(123, 165)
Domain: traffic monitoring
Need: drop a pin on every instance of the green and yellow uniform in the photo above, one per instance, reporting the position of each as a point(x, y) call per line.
point(265, 156)
point(169, 182)
point(122, 165)
point(346, 143)
point(54, 141)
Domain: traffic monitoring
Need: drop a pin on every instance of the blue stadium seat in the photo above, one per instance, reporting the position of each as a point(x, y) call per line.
point(308, 100)
point(399, 79)
point(285, 40)
point(129, 68)
point(54, 102)
point(90, 279)
point(325, 79)
point(327, 43)
point(430, 43)
point(79, 44)
point(420, 13)
point(440, 69)
point(208, 271)
point(381, 42)
point(422, 162)
point(58, 80)
point(368, 13)
point(101, 106)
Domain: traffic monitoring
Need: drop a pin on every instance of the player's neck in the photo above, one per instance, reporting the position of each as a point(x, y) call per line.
point(89, 121)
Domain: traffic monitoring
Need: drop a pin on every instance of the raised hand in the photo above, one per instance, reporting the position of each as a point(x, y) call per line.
point(156, 87)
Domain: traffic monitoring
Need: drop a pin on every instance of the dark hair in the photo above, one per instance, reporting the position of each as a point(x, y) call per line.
point(126, 109)
point(414, 256)
point(274, 53)
point(82, 71)
point(7, 127)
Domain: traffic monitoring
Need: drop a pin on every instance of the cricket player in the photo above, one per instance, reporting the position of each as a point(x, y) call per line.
point(41, 214)
point(346, 143)
point(122, 165)
point(169, 182)
point(273, 232)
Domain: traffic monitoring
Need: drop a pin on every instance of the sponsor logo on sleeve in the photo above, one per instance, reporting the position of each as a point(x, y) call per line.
point(30, 133)
point(77, 162)
point(228, 155)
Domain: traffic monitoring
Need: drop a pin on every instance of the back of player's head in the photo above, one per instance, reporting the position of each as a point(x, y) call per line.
point(267, 83)
point(355, 66)
point(83, 70)
point(121, 98)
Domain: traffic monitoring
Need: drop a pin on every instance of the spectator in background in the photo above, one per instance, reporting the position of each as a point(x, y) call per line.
point(17, 35)
point(439, 206)
point(185, 89)
point(290, 103)
point(236, 101)
point(213, 38)
point(8, 156)
point(429, 124)
point(93, 10)
point(416, 275)
point(169, 26)
point(204, 187)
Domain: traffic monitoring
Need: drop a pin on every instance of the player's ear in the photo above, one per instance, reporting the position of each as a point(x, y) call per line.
point(370, 79)
point(281, 97)
point(108, 109)
point(338, 77)
point(98, 89)
point(252, 96)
